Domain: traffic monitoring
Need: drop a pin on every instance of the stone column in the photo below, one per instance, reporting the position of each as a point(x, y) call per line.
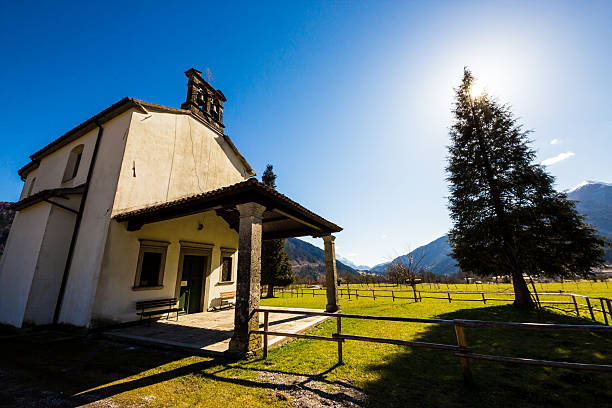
point(331, 274)
point(248, 279)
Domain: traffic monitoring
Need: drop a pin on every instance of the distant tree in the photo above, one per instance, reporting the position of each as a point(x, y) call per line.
point(275, 265)
point(508, 219)
point(407, 269)
point(268, 177)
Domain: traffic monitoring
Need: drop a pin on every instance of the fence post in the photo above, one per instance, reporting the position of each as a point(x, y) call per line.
point(393, 295)
point(449, 297)
point(465, 363)
point(349, 293)
point(373, 295)
point(576, 306)
point(590, 308)
point(415, 293)
point(313, 293)
point(266, 317)
point(603, 310)
point(535, 291)
point(356, 295)
point(609, 307)
point(484, 300)
point(339, 329)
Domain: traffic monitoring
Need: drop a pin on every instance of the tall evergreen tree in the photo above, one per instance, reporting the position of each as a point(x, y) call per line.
point(276, 269)
point(507, 217)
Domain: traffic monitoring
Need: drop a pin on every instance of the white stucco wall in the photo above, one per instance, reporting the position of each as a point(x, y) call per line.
point(51, 262)
point(116, 298)
point(19, 262)
point(91, 240)
point(169, 156)
point(51, 169)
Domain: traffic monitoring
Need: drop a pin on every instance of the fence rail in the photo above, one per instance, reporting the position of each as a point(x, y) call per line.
point(461, 349)
point(417, 295)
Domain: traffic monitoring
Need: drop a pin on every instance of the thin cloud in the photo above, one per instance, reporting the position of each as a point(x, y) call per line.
point(556, 159)
point(556, 142)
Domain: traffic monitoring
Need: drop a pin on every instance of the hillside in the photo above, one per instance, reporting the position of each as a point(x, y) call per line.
point(308, 261)
point(6, 219)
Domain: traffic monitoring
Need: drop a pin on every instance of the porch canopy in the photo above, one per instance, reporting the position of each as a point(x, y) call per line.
point(282, 217)
point(257, 212)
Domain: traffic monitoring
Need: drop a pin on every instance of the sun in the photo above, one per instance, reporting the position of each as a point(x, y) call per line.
point(478, 88)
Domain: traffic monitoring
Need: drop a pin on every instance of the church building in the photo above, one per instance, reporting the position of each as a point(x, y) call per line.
point(146, 202)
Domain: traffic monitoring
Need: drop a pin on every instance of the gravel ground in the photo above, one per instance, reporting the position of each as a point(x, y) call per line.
point(312, 392)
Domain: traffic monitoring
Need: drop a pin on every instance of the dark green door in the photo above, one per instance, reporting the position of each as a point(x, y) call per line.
point(192, 280)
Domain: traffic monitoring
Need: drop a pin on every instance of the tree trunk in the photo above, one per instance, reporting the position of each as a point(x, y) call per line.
point(522, 297)
point(270, 291)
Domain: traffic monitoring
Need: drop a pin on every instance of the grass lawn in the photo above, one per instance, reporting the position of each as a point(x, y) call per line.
point(46, 370)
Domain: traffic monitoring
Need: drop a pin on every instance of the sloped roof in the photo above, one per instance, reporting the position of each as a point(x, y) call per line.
point(284, 217)
point(44, 195)
point(109, 113)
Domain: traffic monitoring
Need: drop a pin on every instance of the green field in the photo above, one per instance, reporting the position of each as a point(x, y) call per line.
point(77, 371)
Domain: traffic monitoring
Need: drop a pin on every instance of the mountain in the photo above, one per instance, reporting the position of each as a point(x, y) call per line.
point(593, 199)
point(435, 256)
point(308, 261)
point(380, 268)
point(6, 219)
point(352, 264)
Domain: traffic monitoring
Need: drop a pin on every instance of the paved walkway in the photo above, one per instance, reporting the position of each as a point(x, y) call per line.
point(209, 333)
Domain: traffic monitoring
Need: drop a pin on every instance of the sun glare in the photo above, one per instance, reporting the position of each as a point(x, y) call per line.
point(478, 88)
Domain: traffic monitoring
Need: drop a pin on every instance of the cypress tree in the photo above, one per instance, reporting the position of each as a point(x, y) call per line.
point(507, 217)
point(276, 269)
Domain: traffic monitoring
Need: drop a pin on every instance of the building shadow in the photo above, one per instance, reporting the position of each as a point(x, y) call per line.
point(425, 377)
point(59, 369)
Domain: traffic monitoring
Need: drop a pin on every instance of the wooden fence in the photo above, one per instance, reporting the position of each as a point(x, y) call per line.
point(461, 349)
point(592, 305)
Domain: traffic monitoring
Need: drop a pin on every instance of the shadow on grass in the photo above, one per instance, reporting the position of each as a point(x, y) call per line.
point(46, 368)
point(429, 378)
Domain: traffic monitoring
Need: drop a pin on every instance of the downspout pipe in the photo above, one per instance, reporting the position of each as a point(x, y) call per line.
point(77, 226)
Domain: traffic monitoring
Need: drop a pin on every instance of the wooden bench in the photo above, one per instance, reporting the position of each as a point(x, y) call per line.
point(227, 297)
point(150, 308)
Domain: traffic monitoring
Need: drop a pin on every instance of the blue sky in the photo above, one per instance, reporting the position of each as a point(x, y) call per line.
point(350, 101)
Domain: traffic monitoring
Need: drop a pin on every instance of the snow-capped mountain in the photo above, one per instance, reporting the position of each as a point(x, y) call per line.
point(594, 199)
point(352, 264)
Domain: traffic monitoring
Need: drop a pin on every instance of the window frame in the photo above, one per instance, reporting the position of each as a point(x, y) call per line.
point(159, 247)
point(75, 157)
point(227, 253)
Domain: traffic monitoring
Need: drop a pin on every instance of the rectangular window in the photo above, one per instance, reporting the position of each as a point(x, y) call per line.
point(151, 264)
point(226, 269)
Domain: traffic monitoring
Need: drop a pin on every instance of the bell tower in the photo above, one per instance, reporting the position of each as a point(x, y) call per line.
point(204, 100)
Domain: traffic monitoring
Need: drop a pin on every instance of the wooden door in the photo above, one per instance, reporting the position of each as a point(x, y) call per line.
point(192, 283)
